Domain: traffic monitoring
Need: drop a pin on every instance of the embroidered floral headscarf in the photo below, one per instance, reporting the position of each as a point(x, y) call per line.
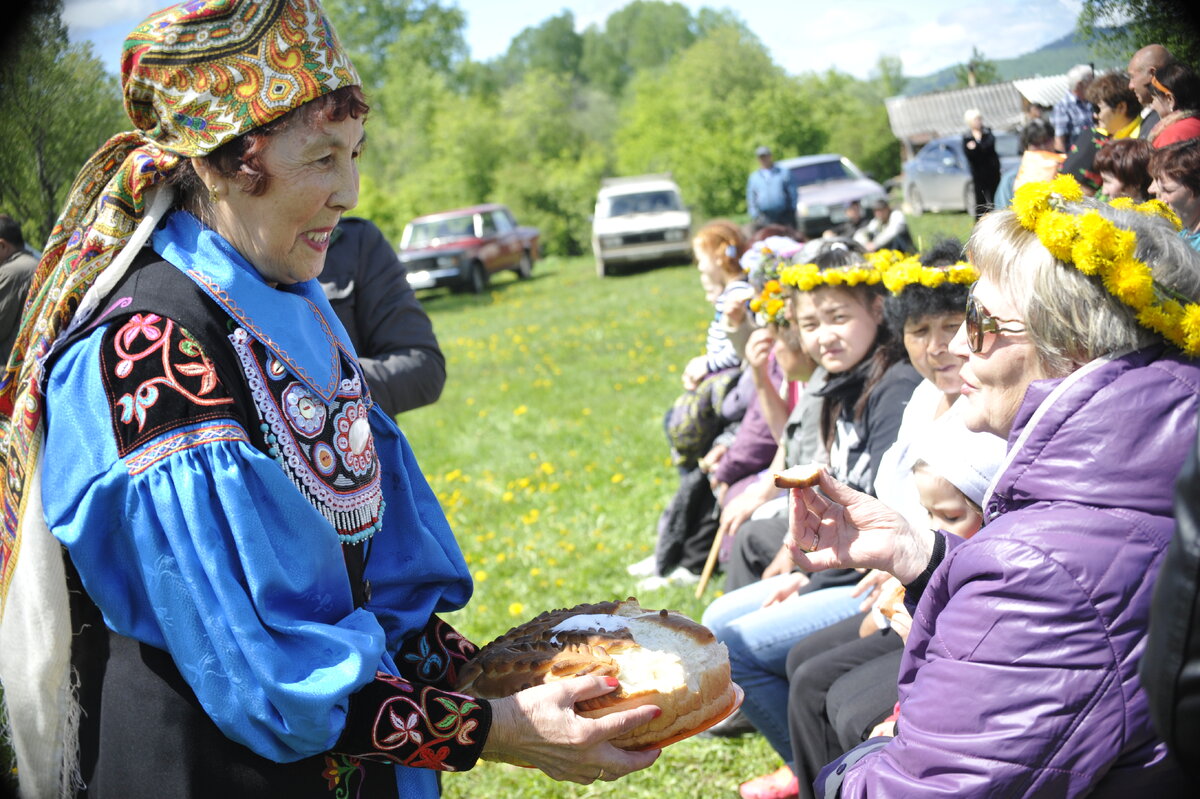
point(194, 76)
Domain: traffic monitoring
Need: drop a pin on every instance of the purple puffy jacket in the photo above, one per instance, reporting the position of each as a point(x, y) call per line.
point(1020, 673)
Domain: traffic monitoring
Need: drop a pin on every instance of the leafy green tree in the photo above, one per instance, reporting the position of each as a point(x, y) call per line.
point(644, 34)
point(1121, 27)
point(978, 71)
point(377, 31)
point(57, 106)
point(552, 47)
point(701, 116)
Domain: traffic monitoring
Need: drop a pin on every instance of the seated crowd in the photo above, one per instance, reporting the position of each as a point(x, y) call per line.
point(960, 606)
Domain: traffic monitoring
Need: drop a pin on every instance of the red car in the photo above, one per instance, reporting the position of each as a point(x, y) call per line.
point(463, 248)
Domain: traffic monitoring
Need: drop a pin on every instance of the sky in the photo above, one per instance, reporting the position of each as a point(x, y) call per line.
point(802, 35)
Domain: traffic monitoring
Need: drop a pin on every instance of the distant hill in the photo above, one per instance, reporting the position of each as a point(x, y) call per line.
point(1051, 59)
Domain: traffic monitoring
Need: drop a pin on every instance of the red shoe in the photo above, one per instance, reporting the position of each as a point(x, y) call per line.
point(781, 784)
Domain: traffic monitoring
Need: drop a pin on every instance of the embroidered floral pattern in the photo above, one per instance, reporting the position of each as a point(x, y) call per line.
point(340, 771)
point(415, 719)
point(435, 655)
point(158, 379)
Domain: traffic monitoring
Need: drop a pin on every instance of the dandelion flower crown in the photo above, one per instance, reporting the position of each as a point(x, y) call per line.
point(762, 262)
point(911, 272)
point(806, 277)
point(1096, 246)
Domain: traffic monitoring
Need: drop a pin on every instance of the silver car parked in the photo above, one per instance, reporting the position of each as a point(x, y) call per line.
point(939, 178)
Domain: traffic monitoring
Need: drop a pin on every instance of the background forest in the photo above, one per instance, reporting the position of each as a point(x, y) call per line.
point(656, 87)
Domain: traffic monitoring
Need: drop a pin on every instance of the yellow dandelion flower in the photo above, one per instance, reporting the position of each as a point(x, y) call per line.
point(774, 306)
point(618, 478)
point(547, 468)
point(1189, 326)
point(470, 401)
point(1159, 208)
point(480, 575)
point(507, 496)
point(585, 412)
point(833, 277)
point(756, 304)
point(559, 582)
point(1057, 233)
point(520, 410)
point(535, 571)
point(932, 278)
point(1123, 203)
point(1030, 201)
point(1067, 187)
point(516, 609)
point(1132, 283)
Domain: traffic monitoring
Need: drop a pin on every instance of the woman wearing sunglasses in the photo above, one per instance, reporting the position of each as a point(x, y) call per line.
point(1019, 677)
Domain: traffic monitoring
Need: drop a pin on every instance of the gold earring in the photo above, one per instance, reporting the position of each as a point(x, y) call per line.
point(212, 194)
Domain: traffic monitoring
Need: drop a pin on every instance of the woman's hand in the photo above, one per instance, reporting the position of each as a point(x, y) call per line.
point(539, 727)
point(786, 588)
point(694, 372)
point(708, 464)
point(739, 509)
point(846, 528)
point(758, 353)
point(885, 729)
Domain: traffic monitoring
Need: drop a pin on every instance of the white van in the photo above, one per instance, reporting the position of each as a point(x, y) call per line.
point(640, 219)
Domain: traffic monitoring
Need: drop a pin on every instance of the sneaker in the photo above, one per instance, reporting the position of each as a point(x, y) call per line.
point(643, 568)
point(680, 576)
point(781, 784)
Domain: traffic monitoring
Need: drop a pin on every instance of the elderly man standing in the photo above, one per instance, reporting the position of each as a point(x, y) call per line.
point(770, 194)
point(16, 271)
point(1073, 113)
point(1143, 66)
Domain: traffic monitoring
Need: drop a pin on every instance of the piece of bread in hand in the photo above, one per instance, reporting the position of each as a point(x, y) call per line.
point(661, 658)
point(803, 476)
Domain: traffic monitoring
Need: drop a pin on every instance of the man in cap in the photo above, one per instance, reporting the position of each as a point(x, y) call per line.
point(770, 193)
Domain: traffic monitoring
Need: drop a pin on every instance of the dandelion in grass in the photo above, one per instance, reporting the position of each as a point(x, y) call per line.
point(520, 410)
point(507, 496)
point(618, 478)
point(480, 575)
point(535, 571)
point(516, 609)
point(586, 412)
point(547, 467)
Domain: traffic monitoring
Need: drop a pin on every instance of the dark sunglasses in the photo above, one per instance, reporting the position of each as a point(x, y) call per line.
point(979, 324)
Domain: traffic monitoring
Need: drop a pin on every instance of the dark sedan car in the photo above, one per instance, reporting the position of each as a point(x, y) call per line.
point(464, 247)
point(939, 179)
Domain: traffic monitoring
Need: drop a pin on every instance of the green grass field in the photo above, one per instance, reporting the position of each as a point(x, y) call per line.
point(547, 453)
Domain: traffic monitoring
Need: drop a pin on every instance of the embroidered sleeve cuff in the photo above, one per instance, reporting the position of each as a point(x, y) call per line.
point(415, 725)
point(435, 655)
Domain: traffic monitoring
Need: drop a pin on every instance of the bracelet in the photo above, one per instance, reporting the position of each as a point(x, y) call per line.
point(913, 590)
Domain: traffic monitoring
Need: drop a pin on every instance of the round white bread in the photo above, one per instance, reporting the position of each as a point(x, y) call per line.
point(661, 658)
point(802, 476)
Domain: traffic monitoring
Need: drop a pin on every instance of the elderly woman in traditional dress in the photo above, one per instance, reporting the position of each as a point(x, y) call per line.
point(1019, 677)
point(254, 561)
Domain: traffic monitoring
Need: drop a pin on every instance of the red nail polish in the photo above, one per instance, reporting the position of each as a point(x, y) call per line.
point(657, 712)
point(612, 682)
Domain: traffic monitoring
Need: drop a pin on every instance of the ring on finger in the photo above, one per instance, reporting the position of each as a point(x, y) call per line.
point(816, 542)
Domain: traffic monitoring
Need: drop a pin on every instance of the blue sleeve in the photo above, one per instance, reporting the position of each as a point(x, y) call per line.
point(752, 196)
point(195, 543)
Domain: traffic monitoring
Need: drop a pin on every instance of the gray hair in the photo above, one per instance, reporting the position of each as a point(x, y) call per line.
point(1080, 73)
point(970, 115)
point(1071, 318)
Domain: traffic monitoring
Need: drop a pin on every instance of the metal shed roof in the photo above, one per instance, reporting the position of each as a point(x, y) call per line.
point(927, 116)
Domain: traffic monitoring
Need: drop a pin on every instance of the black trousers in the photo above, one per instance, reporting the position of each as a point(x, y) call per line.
point(840, 686)
point(754, 547)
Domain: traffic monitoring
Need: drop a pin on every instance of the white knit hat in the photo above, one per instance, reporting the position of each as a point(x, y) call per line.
point(967, 460)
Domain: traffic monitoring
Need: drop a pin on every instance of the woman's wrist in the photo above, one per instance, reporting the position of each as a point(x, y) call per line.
point(914, 556)
point(915, 586)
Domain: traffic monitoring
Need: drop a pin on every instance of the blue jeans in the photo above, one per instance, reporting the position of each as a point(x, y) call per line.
point(759, 639)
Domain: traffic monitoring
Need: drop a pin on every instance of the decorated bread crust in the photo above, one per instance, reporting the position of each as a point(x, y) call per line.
point(661, 658)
